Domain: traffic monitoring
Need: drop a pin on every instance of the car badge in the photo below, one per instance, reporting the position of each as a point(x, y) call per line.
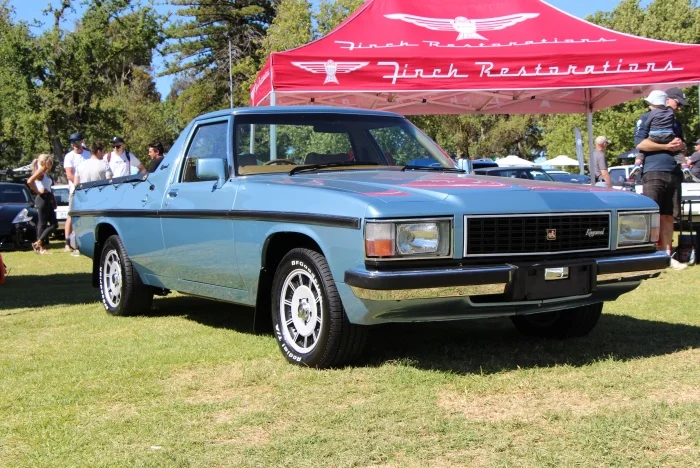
point(551, 234)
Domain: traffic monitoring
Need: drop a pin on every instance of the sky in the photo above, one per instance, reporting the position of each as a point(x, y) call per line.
point(30, 10)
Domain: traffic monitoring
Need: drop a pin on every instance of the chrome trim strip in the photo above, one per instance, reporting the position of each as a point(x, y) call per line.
point(533, 215)
point(428, 293)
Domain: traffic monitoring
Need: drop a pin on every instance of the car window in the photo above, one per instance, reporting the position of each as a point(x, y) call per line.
point(15, 194)
point(209, 141)
point(313, 139)
point(61, 195)
point(617, 176)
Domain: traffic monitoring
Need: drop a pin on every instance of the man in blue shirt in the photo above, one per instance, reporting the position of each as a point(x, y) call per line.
point(662, 176)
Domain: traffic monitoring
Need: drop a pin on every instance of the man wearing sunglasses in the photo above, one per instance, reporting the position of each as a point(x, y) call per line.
point(120, 160)
point(662, 175)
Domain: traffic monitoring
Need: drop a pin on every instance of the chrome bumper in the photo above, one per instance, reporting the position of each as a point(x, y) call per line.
point(487, 280)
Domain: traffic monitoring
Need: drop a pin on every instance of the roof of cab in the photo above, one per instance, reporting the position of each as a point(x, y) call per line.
point(296, 110)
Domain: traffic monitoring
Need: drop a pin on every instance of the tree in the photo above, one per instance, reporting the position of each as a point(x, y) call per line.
point(331, 13)
point(291, 27)
point(199, 49)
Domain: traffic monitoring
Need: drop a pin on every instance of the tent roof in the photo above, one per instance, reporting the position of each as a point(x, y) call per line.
point(472, 56)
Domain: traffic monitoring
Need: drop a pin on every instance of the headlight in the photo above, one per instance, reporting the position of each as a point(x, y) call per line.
point(637, 228)
point(22, 217)
point(408, 239)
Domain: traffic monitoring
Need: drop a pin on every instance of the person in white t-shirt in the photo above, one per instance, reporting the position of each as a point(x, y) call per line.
point(94, 168)
point(120, 161)
point(71, 162)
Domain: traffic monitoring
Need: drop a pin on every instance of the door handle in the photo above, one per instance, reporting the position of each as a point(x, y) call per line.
point(172, 193)
point(144, 200)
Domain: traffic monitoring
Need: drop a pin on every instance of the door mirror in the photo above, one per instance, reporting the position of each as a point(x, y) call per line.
point(212, 169)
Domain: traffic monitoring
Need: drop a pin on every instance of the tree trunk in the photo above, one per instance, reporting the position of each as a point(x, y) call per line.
point(57, 150)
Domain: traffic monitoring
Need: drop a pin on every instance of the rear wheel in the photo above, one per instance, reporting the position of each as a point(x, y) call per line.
point(307, 315)
point(567, 323)
point(121, 289)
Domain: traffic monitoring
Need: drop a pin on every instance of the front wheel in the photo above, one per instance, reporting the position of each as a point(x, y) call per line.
point(567, 323)
point(307, 315)
point(121, 289)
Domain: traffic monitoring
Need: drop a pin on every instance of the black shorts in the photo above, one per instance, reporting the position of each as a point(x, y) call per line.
point(665, 189)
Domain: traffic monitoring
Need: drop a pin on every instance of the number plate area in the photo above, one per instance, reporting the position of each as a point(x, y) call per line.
point(553, 280)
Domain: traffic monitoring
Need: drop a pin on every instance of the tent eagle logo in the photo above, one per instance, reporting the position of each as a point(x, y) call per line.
point(467, 28)
point(330, 68)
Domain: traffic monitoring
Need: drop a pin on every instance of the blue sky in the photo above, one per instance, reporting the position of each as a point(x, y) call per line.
point(30, 10)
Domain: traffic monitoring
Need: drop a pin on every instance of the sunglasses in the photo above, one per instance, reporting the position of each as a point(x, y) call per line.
point(117, 146)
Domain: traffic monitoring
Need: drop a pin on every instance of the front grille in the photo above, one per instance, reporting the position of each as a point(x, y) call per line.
point(532, 234)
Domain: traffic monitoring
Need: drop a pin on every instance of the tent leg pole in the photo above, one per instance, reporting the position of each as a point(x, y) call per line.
point(273, 130)
point(251, 148)
point(591, 166)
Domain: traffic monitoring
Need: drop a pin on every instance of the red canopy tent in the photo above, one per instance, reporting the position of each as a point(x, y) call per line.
point(472, 56)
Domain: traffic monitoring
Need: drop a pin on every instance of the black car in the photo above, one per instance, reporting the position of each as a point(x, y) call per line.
point(18, 217)
point(516, 172)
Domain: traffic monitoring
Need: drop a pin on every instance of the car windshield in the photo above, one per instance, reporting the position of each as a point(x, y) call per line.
point(61, 195)
point(528, 173)
point(337, 141)
point(15, 194)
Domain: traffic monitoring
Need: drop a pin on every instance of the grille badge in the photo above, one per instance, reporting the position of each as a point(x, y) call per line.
point(551, 234)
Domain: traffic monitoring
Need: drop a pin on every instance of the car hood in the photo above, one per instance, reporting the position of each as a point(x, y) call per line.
point(482, 194)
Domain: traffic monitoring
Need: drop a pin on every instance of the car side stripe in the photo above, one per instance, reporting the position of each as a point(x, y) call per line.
point(269, 216)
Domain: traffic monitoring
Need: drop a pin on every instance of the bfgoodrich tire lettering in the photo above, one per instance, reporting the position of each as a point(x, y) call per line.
point(307, 315)
point(567, 323)
point(121, 290)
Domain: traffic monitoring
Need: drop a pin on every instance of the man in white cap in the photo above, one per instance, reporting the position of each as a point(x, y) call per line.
point(600, 163)
point(662, 174)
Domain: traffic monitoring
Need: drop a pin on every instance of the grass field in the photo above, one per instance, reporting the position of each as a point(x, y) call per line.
point(192, 385)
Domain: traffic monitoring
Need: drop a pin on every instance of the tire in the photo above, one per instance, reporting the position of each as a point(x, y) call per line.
point(567, 323)
point(121, 290)
point(308, 318)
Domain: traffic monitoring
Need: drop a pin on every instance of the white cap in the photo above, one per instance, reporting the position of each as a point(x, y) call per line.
point(657, 98)
point(601, 140)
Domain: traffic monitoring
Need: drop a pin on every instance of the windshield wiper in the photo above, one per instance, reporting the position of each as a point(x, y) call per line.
point(430, 168)
point(313, 167)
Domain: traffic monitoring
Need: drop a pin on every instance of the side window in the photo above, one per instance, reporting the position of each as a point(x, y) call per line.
point(209, 141)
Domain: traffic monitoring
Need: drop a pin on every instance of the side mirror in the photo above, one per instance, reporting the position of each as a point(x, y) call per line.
point(212, 169)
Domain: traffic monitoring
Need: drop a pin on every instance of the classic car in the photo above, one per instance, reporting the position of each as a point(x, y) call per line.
point(314, 217)
point(516, 172)
point(18, 217)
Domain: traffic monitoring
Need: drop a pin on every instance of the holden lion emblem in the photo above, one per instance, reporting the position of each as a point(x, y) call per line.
point(467, 28)
point(330, 68)
point(551, 234)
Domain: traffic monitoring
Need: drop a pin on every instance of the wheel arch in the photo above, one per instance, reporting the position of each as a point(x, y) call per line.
point(103, 231)
point(274, 248)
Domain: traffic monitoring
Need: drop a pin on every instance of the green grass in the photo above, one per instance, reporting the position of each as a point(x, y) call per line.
point(192, 385)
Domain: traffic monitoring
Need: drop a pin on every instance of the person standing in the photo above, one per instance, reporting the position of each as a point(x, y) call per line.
point(694, 161)
point(120, 161)
point(94, 168)
point(601, 165)
point(40, 183)
point(155, 152)
point(661, 174)
point(71, 162)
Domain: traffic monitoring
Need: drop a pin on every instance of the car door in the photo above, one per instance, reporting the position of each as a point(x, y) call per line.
point(197, 228)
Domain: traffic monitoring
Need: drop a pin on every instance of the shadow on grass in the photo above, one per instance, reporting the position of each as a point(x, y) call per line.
point(206, 312)
point(32, 291)
point(491, 346)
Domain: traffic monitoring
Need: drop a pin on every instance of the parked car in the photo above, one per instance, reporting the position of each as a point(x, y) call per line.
point(621, 180)
point(516, 172)
point(61, 192)
point(469, 165)
point(18, 217)
point(301, 213)
point(563, 176)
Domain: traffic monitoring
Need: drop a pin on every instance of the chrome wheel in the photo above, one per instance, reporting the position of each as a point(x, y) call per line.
point(301, 310)
point(112, 279)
